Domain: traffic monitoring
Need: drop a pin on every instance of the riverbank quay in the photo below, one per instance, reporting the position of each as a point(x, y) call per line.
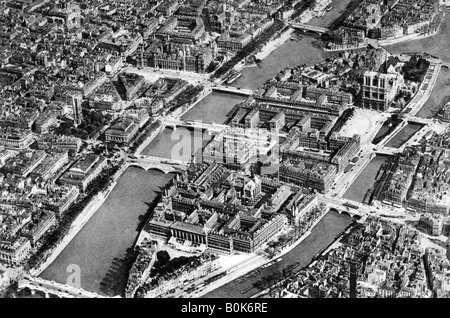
point(256, 261)
point(267, 291)
point(80, 220)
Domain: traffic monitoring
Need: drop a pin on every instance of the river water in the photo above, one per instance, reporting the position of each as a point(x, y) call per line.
point(101, 248)
point(439, 96)
point(365, 180)
point(404, 135)
point(182, 142)
point(214, 108)
point(337, 10)
point(292, 53)
point(321, 236)
point(438, 45)
point(309, 50)
point(178, 144)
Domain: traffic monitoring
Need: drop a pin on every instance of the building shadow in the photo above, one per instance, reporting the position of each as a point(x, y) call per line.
point(115, 281)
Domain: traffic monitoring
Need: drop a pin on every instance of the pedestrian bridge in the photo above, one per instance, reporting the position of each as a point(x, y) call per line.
point(156, 163)
point(54, 288)
point(310, 28)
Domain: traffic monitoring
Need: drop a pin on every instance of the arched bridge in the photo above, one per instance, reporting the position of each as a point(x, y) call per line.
point(162, 164)
point(310, 28)
point(57, 289)
point(345, 206)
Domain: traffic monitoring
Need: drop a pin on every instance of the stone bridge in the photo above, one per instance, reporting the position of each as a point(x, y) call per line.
point(343, 206)
point(161, 164)
point(53, 288)
point(174, 123)
point(310, 28)
point(233, 90)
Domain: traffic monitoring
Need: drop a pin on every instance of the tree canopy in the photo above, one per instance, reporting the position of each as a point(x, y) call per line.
point(415, 69)
point(163, 257)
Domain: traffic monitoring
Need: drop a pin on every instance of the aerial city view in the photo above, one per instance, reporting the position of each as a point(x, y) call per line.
point(224, 149)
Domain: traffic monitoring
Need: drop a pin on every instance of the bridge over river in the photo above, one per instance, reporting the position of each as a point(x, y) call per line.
point(233, 90)
point(349, 207)
point(162, 164)
point(210, 127)
point(310, 28)
point(53, 288)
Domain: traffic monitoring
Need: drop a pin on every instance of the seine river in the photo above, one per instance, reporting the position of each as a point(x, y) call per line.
point(439, 46)
point(321, 236)
point(292, 53)
point(182, 143)
point(101, 248)
point(365, 180)
point(404, 135)
point(214, 108)
point(309, 50)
